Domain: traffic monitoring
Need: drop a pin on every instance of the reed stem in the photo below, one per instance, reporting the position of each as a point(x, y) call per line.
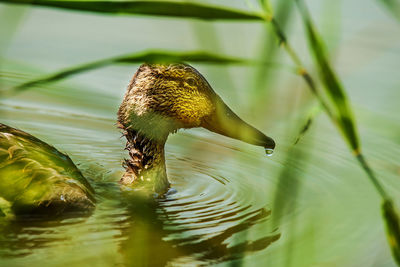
point(371, 175)
point(302, 71)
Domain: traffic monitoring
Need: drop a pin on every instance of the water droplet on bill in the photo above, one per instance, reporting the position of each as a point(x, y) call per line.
point(269, 151)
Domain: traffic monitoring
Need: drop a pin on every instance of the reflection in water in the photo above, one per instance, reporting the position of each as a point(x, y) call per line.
point(210, 219)
point(162, 231)
point(180, 229)
point(22, 236)
point(217, 209)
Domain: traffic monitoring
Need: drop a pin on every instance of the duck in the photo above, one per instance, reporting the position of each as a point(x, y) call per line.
point(161, 99)
point(37, 179)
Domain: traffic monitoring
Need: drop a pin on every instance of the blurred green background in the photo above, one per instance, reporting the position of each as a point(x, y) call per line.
point(309, 204)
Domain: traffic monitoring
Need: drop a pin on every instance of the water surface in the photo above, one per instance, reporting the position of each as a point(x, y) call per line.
point(309, 206)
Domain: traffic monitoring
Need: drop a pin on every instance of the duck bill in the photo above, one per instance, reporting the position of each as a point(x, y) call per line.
point(224, 121)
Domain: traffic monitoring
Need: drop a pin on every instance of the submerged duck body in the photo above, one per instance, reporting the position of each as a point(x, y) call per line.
point(36, 178)
point(163, 98)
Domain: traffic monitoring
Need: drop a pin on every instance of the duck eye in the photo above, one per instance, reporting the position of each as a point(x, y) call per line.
point(191, 81)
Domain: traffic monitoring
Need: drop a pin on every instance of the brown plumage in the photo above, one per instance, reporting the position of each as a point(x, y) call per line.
point(161, 99)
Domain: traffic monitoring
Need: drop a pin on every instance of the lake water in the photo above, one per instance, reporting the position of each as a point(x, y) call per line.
point(307, 205)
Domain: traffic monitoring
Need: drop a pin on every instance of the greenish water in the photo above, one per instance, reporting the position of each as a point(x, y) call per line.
point(233, 204)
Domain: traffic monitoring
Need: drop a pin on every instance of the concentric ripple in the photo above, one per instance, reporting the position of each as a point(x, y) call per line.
point(208, 218)
point(209, 212)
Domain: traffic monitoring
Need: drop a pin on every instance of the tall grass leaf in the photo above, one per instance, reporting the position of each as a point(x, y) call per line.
point(152, 8)
point(147, 56)
point(390, 216)
point(300, 69)
point(393, 6)
point(346, 124)
point(314, 111)
point(264, 78)
point(333, 87)
point(286, 195)
point(12, 18)
point(209, 40)
point(392, 228)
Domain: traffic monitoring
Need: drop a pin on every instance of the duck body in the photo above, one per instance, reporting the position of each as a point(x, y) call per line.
point(160, 100)
point(36, 178)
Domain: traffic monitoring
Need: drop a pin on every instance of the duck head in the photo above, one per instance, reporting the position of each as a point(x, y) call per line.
point(161, 99)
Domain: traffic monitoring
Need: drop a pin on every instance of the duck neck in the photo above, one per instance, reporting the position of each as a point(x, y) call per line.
point(147, 162)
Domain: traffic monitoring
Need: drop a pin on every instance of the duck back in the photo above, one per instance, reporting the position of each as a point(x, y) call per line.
point(36, 178)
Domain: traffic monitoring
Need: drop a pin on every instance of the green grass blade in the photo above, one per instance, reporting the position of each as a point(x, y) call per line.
point(288, 191)
point(346, 123)
point(392, 228)
point(312, 114)
point(152, 8)
point(393, 6)
point(300, 69)
point(147, 56)
point(341, 115)
point(264, 77)
point(209, 40)
point(333, 87)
